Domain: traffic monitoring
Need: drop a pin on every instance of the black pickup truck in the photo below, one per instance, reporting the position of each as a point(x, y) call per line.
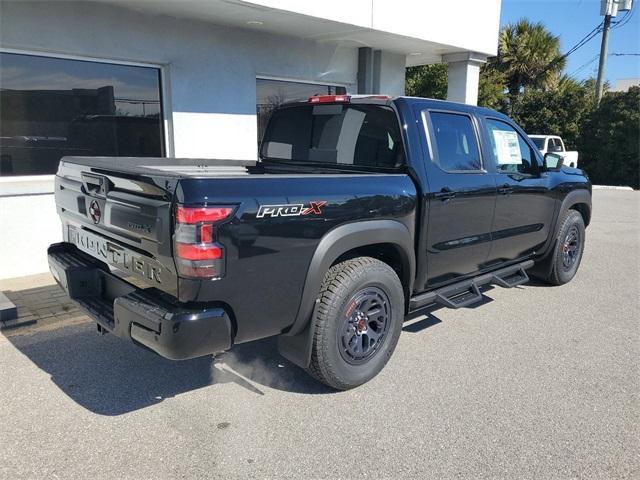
point(360, 211)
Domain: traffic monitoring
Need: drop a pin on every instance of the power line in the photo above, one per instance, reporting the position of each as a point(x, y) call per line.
point(586, 39)
point(597, 56)
point(624, 20)
point(590, 36)
point(582, 67)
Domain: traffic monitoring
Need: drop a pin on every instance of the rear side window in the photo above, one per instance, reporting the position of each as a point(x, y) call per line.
point(455, 141)
point(349, 135)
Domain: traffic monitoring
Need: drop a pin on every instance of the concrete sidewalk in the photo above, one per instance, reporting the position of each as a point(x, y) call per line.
point(41, 304)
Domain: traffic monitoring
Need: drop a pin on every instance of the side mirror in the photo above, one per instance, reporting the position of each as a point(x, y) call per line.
point(553, 162)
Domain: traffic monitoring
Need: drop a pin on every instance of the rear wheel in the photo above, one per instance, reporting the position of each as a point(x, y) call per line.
point(569, 247)
point(358, 319)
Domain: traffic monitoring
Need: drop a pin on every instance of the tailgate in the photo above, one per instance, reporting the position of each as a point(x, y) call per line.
point(122, 218)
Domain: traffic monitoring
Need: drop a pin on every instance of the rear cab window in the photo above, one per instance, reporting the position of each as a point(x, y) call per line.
point(344, 135)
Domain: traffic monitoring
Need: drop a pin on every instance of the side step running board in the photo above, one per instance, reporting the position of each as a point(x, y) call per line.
point(459, 299)
point(467, 292)
point(510, 281)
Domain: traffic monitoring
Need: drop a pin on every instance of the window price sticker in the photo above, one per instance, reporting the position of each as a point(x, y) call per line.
point(507, 147)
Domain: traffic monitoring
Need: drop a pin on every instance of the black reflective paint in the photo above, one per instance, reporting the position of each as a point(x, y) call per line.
point(461, 222)
point(268, 258)
point(475, 220)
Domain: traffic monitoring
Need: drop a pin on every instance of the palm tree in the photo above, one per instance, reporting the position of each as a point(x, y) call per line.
point(528, 56)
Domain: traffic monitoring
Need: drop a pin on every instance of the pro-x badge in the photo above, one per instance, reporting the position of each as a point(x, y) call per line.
point(291, 209)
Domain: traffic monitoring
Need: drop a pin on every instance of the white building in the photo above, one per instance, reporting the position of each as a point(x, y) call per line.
point(194, 78)
point(624, 84)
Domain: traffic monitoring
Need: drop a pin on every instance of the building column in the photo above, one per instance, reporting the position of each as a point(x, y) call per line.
point(464, 76)
point(365, 70)
point(380, 72)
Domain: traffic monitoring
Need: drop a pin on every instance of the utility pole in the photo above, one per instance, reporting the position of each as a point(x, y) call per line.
point(603, 58)
point(608, 8)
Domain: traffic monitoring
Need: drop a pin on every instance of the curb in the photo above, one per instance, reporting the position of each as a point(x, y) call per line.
point(611, 187)
point(8, 311)
point(9, 315)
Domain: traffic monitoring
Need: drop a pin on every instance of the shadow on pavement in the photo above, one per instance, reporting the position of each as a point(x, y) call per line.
point(110, 376)
point(536, 282)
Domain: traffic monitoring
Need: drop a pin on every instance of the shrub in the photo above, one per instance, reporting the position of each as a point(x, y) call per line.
point(609, 141)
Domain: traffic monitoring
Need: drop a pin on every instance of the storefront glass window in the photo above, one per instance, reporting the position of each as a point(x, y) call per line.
point(53, 107)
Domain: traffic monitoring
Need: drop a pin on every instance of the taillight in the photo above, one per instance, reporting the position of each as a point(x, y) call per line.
point(188, 251)
point(197, 252)
point(202, 214)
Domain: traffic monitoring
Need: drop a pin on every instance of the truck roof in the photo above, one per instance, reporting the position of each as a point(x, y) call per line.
point(381, 99)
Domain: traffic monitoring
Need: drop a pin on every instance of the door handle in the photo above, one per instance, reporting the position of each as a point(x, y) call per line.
point(505, 189)
point(445, 194)
point(95, 185)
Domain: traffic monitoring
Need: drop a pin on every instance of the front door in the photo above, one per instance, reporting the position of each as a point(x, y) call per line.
point(524, 204)
point(461, 198)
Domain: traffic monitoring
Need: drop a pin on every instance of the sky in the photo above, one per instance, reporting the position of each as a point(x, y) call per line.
point(572, 20)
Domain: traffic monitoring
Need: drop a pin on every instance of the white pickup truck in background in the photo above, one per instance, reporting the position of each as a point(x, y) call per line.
point(554, 144)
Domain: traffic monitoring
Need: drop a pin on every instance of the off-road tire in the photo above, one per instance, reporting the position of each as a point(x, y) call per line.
point(559, 274)
point(342, 282)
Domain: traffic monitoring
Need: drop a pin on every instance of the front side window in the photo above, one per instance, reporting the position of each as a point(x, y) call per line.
point(339, 134)
point(455, 141)
point(557, 145)
point(52, 107)
point(510, 152)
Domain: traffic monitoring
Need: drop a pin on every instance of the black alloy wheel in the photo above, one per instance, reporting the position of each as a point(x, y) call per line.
point(365, 325)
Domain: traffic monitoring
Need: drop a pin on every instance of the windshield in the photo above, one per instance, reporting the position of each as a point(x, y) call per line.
point(539, 142)
point(334, 134)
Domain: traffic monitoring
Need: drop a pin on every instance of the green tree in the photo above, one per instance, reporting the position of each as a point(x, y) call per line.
point(429, 81)
point(491, 88)
point(528, 56)
point(609, 141)
point(556, 111)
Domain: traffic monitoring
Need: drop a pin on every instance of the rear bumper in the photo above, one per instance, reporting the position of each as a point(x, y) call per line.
point(146, 316)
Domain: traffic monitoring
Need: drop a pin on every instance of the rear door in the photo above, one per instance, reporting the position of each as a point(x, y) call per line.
point(461, 197)
point(525, 204)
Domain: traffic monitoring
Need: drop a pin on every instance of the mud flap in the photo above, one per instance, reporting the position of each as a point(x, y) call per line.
point(297, 348)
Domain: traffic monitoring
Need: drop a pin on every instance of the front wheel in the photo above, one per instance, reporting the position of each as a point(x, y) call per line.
point(358, 318)
point(568, 250)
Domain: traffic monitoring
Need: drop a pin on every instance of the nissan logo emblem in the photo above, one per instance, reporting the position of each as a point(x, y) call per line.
point(94, 212)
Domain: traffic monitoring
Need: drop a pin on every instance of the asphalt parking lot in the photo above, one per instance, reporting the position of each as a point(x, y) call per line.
point(537, 382)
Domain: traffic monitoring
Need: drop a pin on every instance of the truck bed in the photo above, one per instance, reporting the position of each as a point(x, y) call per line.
point(136, 199)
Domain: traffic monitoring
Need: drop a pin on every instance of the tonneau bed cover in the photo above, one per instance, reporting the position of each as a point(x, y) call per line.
point(169, 167)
